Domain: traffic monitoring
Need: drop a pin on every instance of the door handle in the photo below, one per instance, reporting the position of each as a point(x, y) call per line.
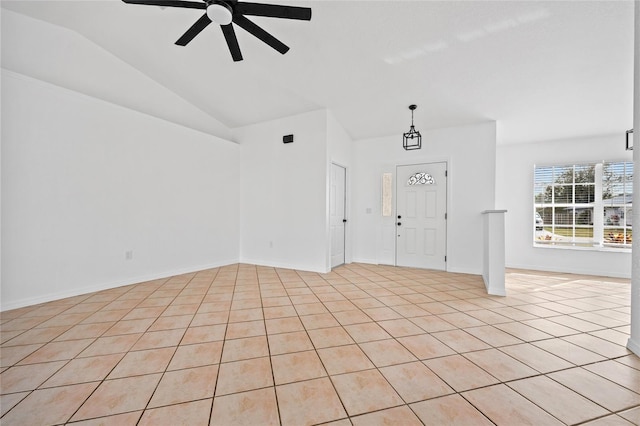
point(399, 217)
point(344, 220)
point(399, 223)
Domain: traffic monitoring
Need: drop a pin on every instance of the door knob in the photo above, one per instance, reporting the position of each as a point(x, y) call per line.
point(344, 220)
point(399, 217)
point(399, 223)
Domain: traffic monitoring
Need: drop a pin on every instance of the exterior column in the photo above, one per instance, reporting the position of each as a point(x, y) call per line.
point(634, 339)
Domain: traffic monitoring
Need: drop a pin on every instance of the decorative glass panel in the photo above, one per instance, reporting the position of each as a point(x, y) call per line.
point(420, 178)
point(387, 179)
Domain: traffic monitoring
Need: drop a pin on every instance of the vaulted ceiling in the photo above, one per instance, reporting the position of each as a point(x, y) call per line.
point(542, 69)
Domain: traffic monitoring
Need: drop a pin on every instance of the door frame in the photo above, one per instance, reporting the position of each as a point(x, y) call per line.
point(447, 163)
point(347, 252)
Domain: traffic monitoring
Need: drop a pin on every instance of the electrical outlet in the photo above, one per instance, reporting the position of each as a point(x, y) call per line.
point(128, 255)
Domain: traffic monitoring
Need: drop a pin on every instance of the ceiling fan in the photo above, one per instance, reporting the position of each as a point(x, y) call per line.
point(228, 12)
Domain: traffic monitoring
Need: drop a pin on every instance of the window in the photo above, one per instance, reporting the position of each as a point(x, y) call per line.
point(583, 205)
point(564, 198)
point(617, 195)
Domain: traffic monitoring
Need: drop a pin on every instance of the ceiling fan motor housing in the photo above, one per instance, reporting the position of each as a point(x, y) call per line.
point(220, 12)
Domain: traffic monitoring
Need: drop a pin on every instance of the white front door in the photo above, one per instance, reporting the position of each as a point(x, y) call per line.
point(337, 213)
point(421, 215)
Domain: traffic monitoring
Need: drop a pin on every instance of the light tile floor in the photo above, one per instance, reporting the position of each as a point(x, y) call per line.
point(362, 345)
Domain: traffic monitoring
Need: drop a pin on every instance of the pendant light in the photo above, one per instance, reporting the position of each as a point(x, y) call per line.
point(412, 139)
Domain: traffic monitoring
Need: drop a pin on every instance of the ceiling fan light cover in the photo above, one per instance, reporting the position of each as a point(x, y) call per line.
point(220, 13)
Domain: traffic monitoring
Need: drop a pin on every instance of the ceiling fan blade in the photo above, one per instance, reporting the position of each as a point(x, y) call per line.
point(232, 42)
point(252, 28)
point(273, 11)
point(195, 29)
point(169, 3)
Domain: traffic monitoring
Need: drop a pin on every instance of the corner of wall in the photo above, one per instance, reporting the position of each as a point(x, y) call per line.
point(74, 204)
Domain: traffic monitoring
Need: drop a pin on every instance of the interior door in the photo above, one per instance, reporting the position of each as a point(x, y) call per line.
point(421, 208)
point(337, 214)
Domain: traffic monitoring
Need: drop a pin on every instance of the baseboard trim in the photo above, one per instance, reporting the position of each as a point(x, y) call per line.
point(634, 346)
point(367, 261)
point(466, 271)
point(578, 271)
point(21, 303)
point(272, 264)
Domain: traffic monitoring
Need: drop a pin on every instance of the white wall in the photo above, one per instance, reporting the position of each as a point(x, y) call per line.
point(470, 153)
point(514, 192)
point(84, 180)
point(339, 143)
point(66, 59)
point(283, 192)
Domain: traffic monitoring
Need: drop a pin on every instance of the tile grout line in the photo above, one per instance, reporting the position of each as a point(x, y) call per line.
point(144, 410)
point(315, 349)
point(366, 289)
point(266, 332)
point(68, 362)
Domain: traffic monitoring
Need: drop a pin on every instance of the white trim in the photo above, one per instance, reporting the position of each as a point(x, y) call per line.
point(284, 265)
point(347, 240)
point(368, 261)
point(456, 270)
point(582, 270)
point(110, 285)
point(568, 246)
point(633, 346)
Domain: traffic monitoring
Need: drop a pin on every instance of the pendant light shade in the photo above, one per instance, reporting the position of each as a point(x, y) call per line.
point(412, 139)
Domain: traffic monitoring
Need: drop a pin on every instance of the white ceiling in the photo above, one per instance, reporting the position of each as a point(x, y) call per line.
point(542, 69)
